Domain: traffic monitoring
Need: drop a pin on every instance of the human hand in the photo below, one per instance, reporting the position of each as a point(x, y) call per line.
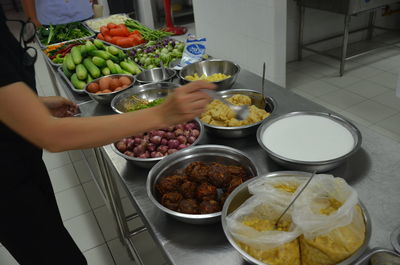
point(186, 103)
point(60, 107)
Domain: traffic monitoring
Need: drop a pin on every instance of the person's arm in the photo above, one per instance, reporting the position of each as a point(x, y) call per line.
point(30, 11)
point(22, 111)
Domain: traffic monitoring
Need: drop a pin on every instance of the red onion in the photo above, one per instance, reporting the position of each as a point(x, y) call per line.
point(170, 129)
point(121, 146)
point(178, 132)
point(158, 154)
point(162, 149)
point(189, 126)
point(164, 141)
point(138, 150)
point(179, 126)
point(181, 146)
point(170, 135)
point(151, 147)
point(195, 133)
point(138, 140)
point(173, 143)
point(128, 153)
point(153, 154)
point(155, 139)
point(182, 139)
point(191, 139)
point(171, 151)
point(145, 155)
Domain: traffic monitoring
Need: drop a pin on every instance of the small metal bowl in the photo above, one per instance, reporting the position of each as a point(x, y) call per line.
point(155, 75)
point(150, 162)
point(106, 98)
point(210, 67)
point(205, 153)
point(241, 194)
point(267, 103)
point(148, 92)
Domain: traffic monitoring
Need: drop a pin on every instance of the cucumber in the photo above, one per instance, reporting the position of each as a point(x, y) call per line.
point(128, 67)
point(125, 72)
point(69, 62)
point(114, 58)
point(100, 62)
point(111, 66)
point(102, 54)
point(83, 50)
point(121, 55)
point(99, 44)
point(106, 71)
point(76, 55)
point(91, 67)
point(89, 79)
point(90, 46)
point(113, 50)
point(78, 84)
point(81, 72)
point(67, 72)
point(118, 69)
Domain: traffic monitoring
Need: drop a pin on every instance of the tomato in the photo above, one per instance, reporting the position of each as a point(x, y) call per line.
point(100, 36)
point(111, 25)
point(104, 30)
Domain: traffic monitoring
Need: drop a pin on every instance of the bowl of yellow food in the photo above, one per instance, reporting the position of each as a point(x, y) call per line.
point(340, 246)
point(222, 73)
point(220, 120)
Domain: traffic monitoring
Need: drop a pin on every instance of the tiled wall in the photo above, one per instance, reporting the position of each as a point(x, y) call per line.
point(246, 32)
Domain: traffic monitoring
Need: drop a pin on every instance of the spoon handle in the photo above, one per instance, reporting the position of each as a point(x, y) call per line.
point(263, 81)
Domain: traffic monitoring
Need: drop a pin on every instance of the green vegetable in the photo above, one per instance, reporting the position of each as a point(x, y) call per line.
point(100, 62)
point(81, 72)
point(59, 33)
point(92, 68)
point(90, 46)
point(113, 50)
point(89, 79)
point(69, 62)
point(106, 71)
point(78, 84)
point(99, 44)
point(83, 50)
point(147, 33)
point(146, 105)
point(65, 69)
point(76, 55)
point(118, 68)
point(58, 59)
point(128, 67)
point(102, 54)
point(111, 66)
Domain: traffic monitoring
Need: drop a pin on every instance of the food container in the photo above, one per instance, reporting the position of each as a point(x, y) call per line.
point(241, 194)
point(150, 162)
point(209, 67)
point(267, 103)
point(69, 42)
point(87, 22)
point(295, 143)
point(105, 98)
point(68, 82)
point(119, 47)
point(148, 92)
point(155, 75)
point(205, 153)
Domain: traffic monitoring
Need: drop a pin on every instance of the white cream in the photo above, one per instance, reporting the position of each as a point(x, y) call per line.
point(308, 138)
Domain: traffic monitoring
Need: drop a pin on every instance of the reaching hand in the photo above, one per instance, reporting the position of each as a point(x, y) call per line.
point(60, 107)
point(186, 103)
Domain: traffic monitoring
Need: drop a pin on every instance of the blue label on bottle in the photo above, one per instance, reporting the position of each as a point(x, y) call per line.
point(196, 49)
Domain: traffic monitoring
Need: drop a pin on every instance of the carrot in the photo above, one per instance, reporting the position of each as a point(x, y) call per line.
point(119, 31)
point(108, 38)
point(104, 30)
point(125, 42)
point(100, 36)
point(111, 25)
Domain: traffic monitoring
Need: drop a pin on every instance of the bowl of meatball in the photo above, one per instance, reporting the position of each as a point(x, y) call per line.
point(191, 185)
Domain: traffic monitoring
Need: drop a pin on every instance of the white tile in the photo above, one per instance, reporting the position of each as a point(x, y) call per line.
point(388, 52)
point(120, 253)
point(367, 89)
point(367, 60)
point(6, 258)
point(107, 223)
point(386, 64)
point(63, 178)
point(318, 88)
point(371, 111)
point(99, 256)
point(363, 71)
point(83, 171)
point(75, 155)
point(85, 231)
point(55, 160)
point(342, 99)
point(389, 99)
point(324, 60)
point(302, 93)
point(295, 79)
point(388, 80)
point(392, 124)
point(127, 206)
point(72, 202)
point(354, 118)
point(93, 194)
point(341, 81)
point(386, 133)
point(326, 105)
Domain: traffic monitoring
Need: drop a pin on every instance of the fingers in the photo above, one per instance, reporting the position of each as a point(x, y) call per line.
point(197, 85)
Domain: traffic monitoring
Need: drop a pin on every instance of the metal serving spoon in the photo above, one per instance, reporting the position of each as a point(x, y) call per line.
point(164, 74)
point(242, 112)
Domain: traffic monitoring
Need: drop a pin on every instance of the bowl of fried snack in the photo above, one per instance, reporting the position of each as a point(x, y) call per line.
point(220, 120)
point(192, 185)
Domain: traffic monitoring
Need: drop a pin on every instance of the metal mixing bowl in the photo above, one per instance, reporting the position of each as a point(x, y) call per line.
point(106, 98)
point(210, 67)
point(148, 92)
point(319, 166)
point(267, 104)
point(205, 153)
point(150, 162)
point(155, 75)
point(241, 194)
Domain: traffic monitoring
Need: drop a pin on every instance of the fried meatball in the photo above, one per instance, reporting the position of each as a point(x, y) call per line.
point(188, 206)
point(188, 189)
point(210, 206)
point(169, 184)
point(171, 200)
point(197, 172)
point(206, 191)
point(218, 175)
point(233, 184)
point(237, 171)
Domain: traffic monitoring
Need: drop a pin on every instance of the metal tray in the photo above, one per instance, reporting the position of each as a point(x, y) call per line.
point(42, 46)
point(366, 258)
point(119, 47)
point(95, 19)
point(66, 79)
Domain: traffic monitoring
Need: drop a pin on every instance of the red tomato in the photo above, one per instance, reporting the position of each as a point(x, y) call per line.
point(125, 42)
point(104, 30)
point(111, 25)
point(100, 36)
point(108, 38)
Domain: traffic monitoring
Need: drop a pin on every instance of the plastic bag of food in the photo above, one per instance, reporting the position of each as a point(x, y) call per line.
point(194, 50)
point(252, 226)
point(331, 221)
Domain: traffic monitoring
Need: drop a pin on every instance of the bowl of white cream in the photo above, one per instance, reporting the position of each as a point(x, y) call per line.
point(309, 141)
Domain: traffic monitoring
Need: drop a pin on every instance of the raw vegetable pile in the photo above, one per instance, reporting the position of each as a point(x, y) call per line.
point(59, 33)
point(153, 52)
point(94, 59)
point(57, 52)
point(120, 35)
point(147, 33)
point(159, 143)
point(97, 23)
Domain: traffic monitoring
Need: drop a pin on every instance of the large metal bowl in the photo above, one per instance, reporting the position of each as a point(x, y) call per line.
point(150, 162)
point(147, 92)
point(318, 166)
point(210, 67)
point(267, 103)
point(241, 194)
point(106, 98)
point(179, 160)
point(155, 75)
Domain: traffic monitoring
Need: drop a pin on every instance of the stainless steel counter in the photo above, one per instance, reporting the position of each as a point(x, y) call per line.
point(374, 172)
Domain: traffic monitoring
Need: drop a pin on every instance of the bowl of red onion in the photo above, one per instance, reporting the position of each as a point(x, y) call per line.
point(146, 149)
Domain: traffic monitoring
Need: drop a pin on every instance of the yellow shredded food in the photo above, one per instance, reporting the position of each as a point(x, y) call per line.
point(332, 205)
point(288, 187)
point(211, 78)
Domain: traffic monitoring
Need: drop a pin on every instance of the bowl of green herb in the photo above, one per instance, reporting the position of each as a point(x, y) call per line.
point(142, 97)
point(61, 33)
